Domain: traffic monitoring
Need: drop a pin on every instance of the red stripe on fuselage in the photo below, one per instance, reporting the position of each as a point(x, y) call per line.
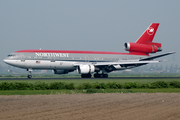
point(77, 52)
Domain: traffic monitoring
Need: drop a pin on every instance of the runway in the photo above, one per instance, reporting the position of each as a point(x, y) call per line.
point(90, 78)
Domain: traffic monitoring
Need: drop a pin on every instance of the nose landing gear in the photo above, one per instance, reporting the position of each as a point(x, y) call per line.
point(29, 76)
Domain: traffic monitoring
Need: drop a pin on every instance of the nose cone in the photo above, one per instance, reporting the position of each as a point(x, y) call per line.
point(14, 63)
point(10, 62)
point(5, 60)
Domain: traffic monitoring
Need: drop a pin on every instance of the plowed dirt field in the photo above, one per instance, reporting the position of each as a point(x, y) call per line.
point(116, 106)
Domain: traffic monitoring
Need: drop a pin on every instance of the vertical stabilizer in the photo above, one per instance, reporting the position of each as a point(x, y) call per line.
point(148, 35)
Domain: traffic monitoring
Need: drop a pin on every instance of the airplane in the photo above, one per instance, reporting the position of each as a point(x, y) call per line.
point(88, 62)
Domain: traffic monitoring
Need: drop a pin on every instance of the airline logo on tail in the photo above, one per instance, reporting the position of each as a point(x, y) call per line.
point(150, 30)
point(148, 35)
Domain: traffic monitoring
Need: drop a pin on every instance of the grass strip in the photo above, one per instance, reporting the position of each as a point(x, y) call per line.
point(88, 91)
point(78, 82)
point(97, 85)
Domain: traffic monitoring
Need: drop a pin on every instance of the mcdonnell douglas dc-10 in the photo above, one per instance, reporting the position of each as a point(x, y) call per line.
point(89, 62)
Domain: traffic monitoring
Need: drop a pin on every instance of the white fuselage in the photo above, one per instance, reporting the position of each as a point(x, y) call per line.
point(58, 60)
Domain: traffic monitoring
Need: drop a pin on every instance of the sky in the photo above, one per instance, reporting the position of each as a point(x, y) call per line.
point(94, 25)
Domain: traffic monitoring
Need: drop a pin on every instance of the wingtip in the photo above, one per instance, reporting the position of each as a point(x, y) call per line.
point(172, 52)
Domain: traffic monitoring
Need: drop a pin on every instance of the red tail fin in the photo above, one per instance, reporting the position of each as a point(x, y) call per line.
point(148, 35)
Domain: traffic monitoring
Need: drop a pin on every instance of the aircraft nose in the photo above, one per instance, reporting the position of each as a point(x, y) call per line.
point(7, 61)
point(11, 62)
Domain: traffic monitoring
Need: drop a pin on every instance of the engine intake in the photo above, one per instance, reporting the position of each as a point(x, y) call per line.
point(143, 48)
point(86, 69)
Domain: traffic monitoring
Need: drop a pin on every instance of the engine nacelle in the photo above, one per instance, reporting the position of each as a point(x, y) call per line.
point(142, 48)
point(61, 71)
point(86, 69)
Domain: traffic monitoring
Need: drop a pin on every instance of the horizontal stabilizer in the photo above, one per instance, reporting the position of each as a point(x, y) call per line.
point(156, 56)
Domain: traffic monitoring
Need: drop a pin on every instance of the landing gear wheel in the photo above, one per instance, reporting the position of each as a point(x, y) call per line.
point(96, 75)
point(89, 75)
point(85, 75)
point(105, 75)
point(30, 70)
point(29, 76)
point(100, 75)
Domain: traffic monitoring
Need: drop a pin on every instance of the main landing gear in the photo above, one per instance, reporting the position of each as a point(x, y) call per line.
point(95, 75)
point(100, 75)
point(29, 76)
point(86, 75)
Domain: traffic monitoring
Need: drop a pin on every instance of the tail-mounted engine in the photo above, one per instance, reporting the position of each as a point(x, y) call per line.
point(143, 48)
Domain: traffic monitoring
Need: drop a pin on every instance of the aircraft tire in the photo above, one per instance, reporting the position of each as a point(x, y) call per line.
point(105, 75)
point(86, 75)
point(29, 76)
point(100, 75)
point(82, 76)
point(96, 75)
point(89, 75)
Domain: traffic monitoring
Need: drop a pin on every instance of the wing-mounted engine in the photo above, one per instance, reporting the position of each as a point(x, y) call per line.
point(143, 48)
point(86, 69)
point(62, 71)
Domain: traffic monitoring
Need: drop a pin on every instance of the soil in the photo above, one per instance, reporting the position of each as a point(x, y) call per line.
point(111, 106)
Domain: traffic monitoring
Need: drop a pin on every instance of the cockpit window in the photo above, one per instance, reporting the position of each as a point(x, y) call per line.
point(10, 55)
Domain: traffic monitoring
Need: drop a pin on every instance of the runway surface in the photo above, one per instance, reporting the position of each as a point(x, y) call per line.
point(90, 78)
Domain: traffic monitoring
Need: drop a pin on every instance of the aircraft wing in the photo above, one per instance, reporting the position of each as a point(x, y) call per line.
point(156, 56)
point(116, 63)
point(123, 63)
point(142, 61)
